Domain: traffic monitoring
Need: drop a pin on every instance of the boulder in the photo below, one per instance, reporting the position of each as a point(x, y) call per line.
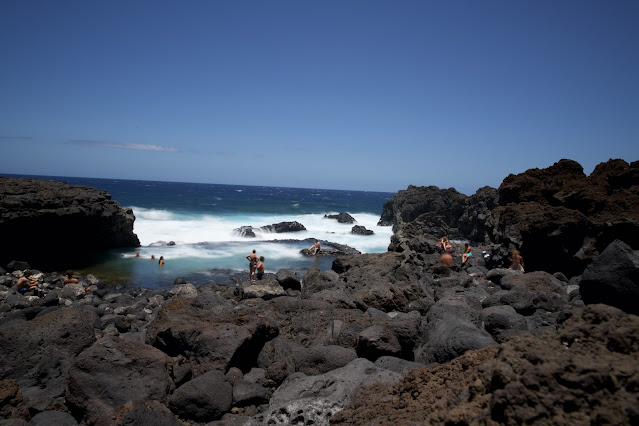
point(314, 399)
point(322, 359)
point(248, 393)
point(613, 278)
point(341, 217)
point(203, 399)
point(58, 418)
point(184, 290)
point(72, 291)
point(376, 341)
point(288, 279)
point(503, 322)
point(38, 353)
point(361, 230)
point(262, 289)
point(284, 227)
point(184, 327)
point(398, 365)
point(450, 338)
point(113, 372)
point(151, 413)
point(244, 231)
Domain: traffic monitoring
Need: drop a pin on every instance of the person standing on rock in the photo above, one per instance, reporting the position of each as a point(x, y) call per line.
point(253, 259)
point(260, 268)
point(516, 261)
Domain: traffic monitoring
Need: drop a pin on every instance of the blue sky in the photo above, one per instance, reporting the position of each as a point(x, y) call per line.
point(365, 95)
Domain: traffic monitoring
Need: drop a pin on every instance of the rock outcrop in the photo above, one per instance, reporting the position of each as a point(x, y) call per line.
point(51, 224)
point(558, 218)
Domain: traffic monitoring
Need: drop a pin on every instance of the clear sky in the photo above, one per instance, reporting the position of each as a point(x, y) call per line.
point(349, 94)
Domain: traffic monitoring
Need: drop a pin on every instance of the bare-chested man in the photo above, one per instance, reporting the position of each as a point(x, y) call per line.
point(253, 259)
point(26, 283)
point(315, 248)
point(445, 264)
point(516, 261)
point(260, 268)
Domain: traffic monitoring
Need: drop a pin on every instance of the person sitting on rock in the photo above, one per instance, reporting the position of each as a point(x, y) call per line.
point(516, 261)
point(468, 252)
point(446, 244)
point(69, 279)
point(315, 248)
point(260, 268)
point(27, 283)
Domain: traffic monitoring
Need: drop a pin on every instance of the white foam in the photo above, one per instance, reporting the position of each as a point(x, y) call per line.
point(152, 226)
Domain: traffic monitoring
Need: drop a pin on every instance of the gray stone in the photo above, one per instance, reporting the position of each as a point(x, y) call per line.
point(203, 399)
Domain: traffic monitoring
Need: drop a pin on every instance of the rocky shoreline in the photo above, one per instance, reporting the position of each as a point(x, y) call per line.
point(378, 339)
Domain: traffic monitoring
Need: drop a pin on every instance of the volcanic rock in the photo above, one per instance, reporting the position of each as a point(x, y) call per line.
point(587, 372)
point(113, 372)
point(48, 212)
point(341, 217)
point(613, 278)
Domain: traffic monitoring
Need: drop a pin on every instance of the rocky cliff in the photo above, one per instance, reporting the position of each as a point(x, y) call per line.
point(52, 224)
point(559, 218)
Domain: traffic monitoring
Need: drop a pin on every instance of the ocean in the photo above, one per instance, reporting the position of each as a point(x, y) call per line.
point(201, 218)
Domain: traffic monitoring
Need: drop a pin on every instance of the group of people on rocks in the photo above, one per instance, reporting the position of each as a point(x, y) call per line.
point(446, 258)
point(27, 283)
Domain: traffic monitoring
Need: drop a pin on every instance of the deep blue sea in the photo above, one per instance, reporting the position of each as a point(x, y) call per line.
point(201, 218)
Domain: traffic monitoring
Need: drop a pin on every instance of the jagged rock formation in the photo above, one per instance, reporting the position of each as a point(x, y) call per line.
point(52, 224)
point(559, 218)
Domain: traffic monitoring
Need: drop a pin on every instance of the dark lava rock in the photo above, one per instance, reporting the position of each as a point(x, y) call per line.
point(58, 418)
point(341, 218)
point(39, 353)
point(613, 278)
point(49, 212)
point(113, 372)
point(586, 373)
point(361, 230)
point(245, 231)
point(284, 227)
point(288, 279)
point(561, 219)
point(204, 399)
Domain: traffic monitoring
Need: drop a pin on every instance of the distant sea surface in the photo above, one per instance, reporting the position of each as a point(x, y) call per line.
point(201, 218)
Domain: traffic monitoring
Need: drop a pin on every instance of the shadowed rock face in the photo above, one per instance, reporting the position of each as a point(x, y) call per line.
point(50, 223)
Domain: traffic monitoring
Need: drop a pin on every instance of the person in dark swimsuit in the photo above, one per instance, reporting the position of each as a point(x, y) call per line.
point(253, 259)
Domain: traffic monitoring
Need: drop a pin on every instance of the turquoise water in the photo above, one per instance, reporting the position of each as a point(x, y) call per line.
point(200, 220)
